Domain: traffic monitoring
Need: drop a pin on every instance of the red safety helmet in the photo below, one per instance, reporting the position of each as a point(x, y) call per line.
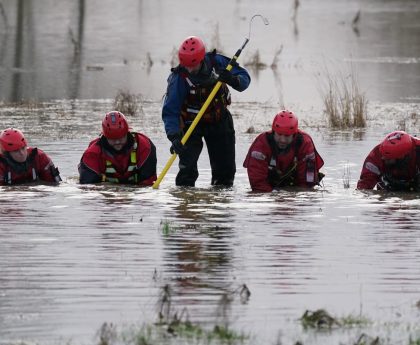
point(191, 52)
point(396, 145)
point(285, 123)
point(114, 125)
point(12, 139)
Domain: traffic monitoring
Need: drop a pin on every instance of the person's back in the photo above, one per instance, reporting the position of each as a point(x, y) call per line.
point(22, 164)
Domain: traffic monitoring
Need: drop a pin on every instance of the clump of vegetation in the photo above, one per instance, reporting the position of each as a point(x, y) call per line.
point(365, 339)
point(354, 321)
point(250, 130)
point(167, 227)
point(414, 341)
point(344, 103)
point(171, 328)
point(127, 103)
point(184, 332)
point(107, 334)
point(244, 294)
point(321, 319)
point(181, 326)
point(346, 176)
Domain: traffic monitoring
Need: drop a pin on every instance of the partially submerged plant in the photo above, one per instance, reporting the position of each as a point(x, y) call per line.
point(414, 341)
point(181, 326)
point(346, 176)
point(244, 294)
point(166, 227)
point(354, 321)
point(344, 104)
point(319, 319)
point(365, 339)
point(164, 305)
point(225, 334)
point(107, 334)
point(127, 103)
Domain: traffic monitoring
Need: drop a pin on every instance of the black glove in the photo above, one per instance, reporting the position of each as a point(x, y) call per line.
point(177, 147)
point(227, 77)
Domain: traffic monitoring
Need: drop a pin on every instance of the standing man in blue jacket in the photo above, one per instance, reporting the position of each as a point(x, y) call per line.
point(189, 85)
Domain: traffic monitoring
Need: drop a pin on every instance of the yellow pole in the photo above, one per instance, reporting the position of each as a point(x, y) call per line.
point(197, 118)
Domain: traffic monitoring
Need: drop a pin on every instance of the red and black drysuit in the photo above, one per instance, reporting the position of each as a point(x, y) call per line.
point(37, 167)
point(270, 167)
point(135, 163)
point(403, 175)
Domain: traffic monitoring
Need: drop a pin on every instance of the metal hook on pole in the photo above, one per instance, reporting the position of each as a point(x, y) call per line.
point(265, 21)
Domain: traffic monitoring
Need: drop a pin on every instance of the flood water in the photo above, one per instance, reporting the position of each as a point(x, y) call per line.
point(73, 257)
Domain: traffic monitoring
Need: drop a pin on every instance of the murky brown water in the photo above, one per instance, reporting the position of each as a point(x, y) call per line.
point(73, 257)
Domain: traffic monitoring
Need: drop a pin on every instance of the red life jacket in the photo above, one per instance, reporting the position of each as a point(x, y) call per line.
point(295, 165)
point(15, 173)
point(119, 167)
point(199, 93)
point(285, 177)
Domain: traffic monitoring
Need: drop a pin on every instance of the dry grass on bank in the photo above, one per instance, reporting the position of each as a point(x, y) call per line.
point(344, 103)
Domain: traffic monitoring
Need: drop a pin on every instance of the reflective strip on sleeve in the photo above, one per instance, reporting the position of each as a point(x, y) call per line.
point(372, 168)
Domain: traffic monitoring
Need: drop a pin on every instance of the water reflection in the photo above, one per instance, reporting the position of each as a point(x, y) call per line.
point(393, 238)
point(50, 46)
point(351, 136)
point(16, 81)
point(395, 210)
point(198, 251)
point(76, 69)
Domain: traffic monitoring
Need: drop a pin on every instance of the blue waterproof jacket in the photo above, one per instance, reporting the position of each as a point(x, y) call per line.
point(178, 89)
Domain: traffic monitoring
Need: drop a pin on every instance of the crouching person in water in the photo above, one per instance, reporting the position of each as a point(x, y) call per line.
point(284, 156)
point(119, 155)
point(393, 165)
point(22, 164)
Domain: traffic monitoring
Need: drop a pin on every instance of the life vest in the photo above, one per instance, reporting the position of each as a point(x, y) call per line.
point(20, 172)
point(199, 92)
point(112, 175)
point(119, 167)
point(279, 178)
point(288, 177)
